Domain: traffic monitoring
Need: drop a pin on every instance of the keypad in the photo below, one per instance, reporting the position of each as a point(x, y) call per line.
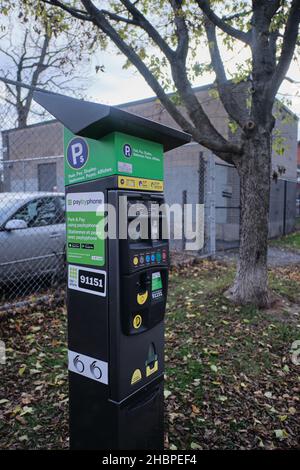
point(149, 258)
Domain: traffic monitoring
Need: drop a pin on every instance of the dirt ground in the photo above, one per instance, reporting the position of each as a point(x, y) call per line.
point(230, 380)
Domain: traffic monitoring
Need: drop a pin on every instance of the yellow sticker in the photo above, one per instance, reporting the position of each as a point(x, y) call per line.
point(136, 376)
point(137, 321)
point(150, 370)
point(128, 182)
point(141, 298)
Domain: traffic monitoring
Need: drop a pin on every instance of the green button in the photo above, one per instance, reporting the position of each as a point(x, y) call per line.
point(158, 257)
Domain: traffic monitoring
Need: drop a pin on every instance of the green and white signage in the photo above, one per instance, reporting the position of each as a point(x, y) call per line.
point(115, 154)
point(85, 228)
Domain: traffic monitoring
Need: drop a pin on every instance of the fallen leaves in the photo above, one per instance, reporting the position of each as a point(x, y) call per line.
point(238, 384)
point(195, 409)
point(28, 411)
point(281, 433)
point(3, 400)
point(195, 446)
point(22, 370)
point(230, 382)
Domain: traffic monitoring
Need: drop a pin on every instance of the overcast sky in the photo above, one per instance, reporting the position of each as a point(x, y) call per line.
point(116, 86)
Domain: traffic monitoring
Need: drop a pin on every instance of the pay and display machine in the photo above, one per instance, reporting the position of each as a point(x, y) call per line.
point(117, 285)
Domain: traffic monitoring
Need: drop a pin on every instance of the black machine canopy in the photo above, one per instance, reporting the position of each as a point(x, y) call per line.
point(94, 120)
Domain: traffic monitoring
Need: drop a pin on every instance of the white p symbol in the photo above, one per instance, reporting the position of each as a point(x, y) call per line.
point(77, 151)
point(127, 150)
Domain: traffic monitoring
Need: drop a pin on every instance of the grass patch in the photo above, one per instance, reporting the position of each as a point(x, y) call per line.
point(230, 382)
point(291, 241)
point(285, 281)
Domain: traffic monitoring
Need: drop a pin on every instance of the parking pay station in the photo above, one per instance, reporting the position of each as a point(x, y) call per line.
point(117, 286)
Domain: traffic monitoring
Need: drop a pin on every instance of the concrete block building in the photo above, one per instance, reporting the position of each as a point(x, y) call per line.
point(33, 160)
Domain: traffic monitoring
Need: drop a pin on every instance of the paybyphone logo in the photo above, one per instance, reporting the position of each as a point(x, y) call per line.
point(77, 153)
point(85, 202)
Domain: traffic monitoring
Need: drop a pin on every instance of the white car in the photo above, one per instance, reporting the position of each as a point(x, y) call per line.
point(32, 234)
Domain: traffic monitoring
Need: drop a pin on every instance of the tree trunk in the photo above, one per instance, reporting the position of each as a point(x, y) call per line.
point(22, 117)
point(251, 281)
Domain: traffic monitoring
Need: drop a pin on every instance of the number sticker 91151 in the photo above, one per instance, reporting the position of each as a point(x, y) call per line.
point(92, 281)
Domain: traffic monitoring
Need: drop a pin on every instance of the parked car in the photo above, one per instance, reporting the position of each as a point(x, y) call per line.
point(32, 234)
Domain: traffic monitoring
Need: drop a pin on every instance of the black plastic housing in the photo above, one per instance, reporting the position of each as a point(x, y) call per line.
point(123, 414)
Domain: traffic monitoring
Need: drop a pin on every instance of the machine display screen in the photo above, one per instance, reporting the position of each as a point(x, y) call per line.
point(156, 285)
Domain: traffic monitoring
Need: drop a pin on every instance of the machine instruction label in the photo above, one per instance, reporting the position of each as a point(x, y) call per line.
point(87, 280)
point(144, 156)
point(85, 228)
point(143, 184)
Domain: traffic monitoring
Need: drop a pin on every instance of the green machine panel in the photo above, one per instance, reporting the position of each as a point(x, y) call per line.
point(115, 154)
point(85, 228)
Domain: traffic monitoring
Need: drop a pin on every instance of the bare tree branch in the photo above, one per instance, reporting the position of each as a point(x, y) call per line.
point(19, 101)
point(220, 23)
point(208, 136)
point(289, 42)
point(232, 103)
point(181, 30)
point(270, 8)
point(8, 101)
point(4, 51)
point(31, 61)
point(240, 14)
point(9, 89)
point(100, 21)
point(73, 11)
point(118, 18)
point(291, 80)
point(38, 70)
point(147, 26)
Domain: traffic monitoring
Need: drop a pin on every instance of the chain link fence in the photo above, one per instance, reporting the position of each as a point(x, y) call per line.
point(187, 183)
point(32, 219)
point(227, 197)
point(282, 214)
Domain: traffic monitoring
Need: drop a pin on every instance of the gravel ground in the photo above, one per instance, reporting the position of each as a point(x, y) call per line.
point(276, 257)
